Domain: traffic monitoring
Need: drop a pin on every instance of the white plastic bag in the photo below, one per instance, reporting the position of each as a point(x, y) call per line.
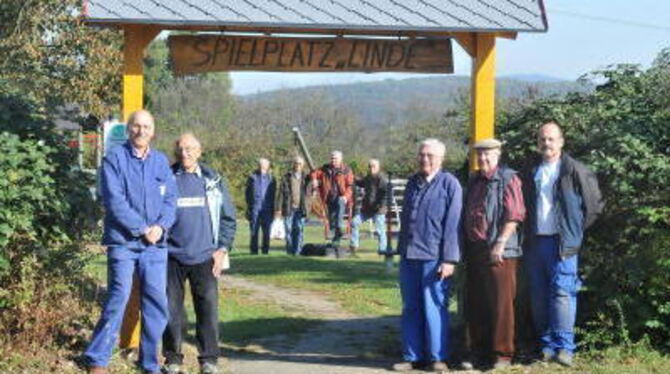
point(277, 229)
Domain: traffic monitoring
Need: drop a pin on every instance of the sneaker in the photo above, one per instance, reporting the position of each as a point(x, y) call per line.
point(564, 358)
point(502, 363)
point(546, 356)
point(208, 368)
point(467, 365)
point(172, 369)
point(404, 366)
point(439, 367)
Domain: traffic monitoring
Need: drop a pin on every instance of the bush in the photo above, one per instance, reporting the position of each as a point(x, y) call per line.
point(45, 207)
point(621, 132)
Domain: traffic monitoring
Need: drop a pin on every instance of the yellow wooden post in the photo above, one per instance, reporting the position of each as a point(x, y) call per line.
point(483, 90)
point(136, 38)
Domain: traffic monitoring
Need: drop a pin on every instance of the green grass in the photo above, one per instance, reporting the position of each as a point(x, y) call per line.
point(360, 284)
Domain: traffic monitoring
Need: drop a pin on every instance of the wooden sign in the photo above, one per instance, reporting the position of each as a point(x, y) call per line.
point(207, 53)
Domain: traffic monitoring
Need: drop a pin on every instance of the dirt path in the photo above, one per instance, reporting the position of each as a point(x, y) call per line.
point(343, 343)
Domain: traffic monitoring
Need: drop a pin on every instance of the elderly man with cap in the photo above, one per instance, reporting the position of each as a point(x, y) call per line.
point(494, 207)
point(429, 249)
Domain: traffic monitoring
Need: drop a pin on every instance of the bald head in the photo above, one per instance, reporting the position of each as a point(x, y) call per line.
point(550, 141)
point(188, 151)
point(140, 129)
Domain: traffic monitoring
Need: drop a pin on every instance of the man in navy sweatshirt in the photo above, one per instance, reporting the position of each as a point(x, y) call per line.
point(429, 249)
point(139, 194)
point(198, 243)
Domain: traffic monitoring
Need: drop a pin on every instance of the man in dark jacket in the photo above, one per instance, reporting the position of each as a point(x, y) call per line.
point(429, 249)
point(198, 245)
point(374, 187)
point(494, 207)
point(563, 200)
point(260, 196)
point(291, 205)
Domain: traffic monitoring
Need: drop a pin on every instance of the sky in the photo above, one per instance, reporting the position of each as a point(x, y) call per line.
point(584, 35)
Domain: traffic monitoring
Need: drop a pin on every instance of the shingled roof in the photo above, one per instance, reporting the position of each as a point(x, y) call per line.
point(389, 17)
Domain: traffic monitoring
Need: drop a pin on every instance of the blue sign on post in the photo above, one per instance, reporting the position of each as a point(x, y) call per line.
point(114, 134)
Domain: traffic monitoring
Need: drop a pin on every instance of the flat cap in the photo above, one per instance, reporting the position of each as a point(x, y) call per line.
point(489, 143)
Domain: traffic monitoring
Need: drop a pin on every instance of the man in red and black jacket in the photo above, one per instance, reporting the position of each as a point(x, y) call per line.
point(335, 185)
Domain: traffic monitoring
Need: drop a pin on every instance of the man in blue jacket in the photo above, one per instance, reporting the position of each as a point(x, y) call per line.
point(198, 243)
point(139, 194)
point(562, 199)
point(260, 196)
point(429, 249)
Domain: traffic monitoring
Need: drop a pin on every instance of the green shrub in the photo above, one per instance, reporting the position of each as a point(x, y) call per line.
point(45, 206)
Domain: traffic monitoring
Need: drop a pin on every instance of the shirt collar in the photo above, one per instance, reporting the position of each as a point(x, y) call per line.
point(428, 178)
point(198, 170)
point(137, 154)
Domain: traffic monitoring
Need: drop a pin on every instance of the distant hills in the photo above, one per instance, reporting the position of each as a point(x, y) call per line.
point(394, 100)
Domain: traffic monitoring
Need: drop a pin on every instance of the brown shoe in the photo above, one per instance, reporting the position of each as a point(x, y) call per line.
point(97, 370)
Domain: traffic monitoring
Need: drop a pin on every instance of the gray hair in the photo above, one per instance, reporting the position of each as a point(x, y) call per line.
point(374, 161)
point(299, 159)
point(438, 146)
point(336, 154)
point(262, 160)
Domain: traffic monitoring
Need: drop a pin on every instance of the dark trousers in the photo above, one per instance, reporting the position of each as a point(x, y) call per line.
point(204, 290)
point(490, 295)
point(261, 221)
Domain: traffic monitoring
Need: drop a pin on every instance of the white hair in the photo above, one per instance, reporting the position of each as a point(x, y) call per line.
point(439, 147)
point(263, 160)
point(337, 154)
point(299, 159)
point(374, 161)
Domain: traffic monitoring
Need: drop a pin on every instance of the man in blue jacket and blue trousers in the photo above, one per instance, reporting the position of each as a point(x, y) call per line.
point(429, 249)
point(260, 196)
point(198, 245)
point(139, 194)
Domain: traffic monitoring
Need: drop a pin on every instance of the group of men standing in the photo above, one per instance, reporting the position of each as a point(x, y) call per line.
point(166, 225)
point(342, 194)
point(544, 210)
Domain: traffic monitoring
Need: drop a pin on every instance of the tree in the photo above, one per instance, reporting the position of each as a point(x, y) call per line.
point(48, 53)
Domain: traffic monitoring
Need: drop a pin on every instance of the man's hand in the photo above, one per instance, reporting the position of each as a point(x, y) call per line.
point(445, 270)
point(344, 199)
point(217, 268)
point(497, 253)
point(315, 183)
point(153, 234)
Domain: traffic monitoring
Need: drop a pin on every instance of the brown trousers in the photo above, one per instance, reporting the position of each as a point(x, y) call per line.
point(489, 303)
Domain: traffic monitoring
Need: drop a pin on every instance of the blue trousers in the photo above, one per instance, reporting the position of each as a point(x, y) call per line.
point(151, 267)
point(425, 314)
point(380, 230)
point(553, 286)
point(336, 211)
point(260, 221)
point(294, 224)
